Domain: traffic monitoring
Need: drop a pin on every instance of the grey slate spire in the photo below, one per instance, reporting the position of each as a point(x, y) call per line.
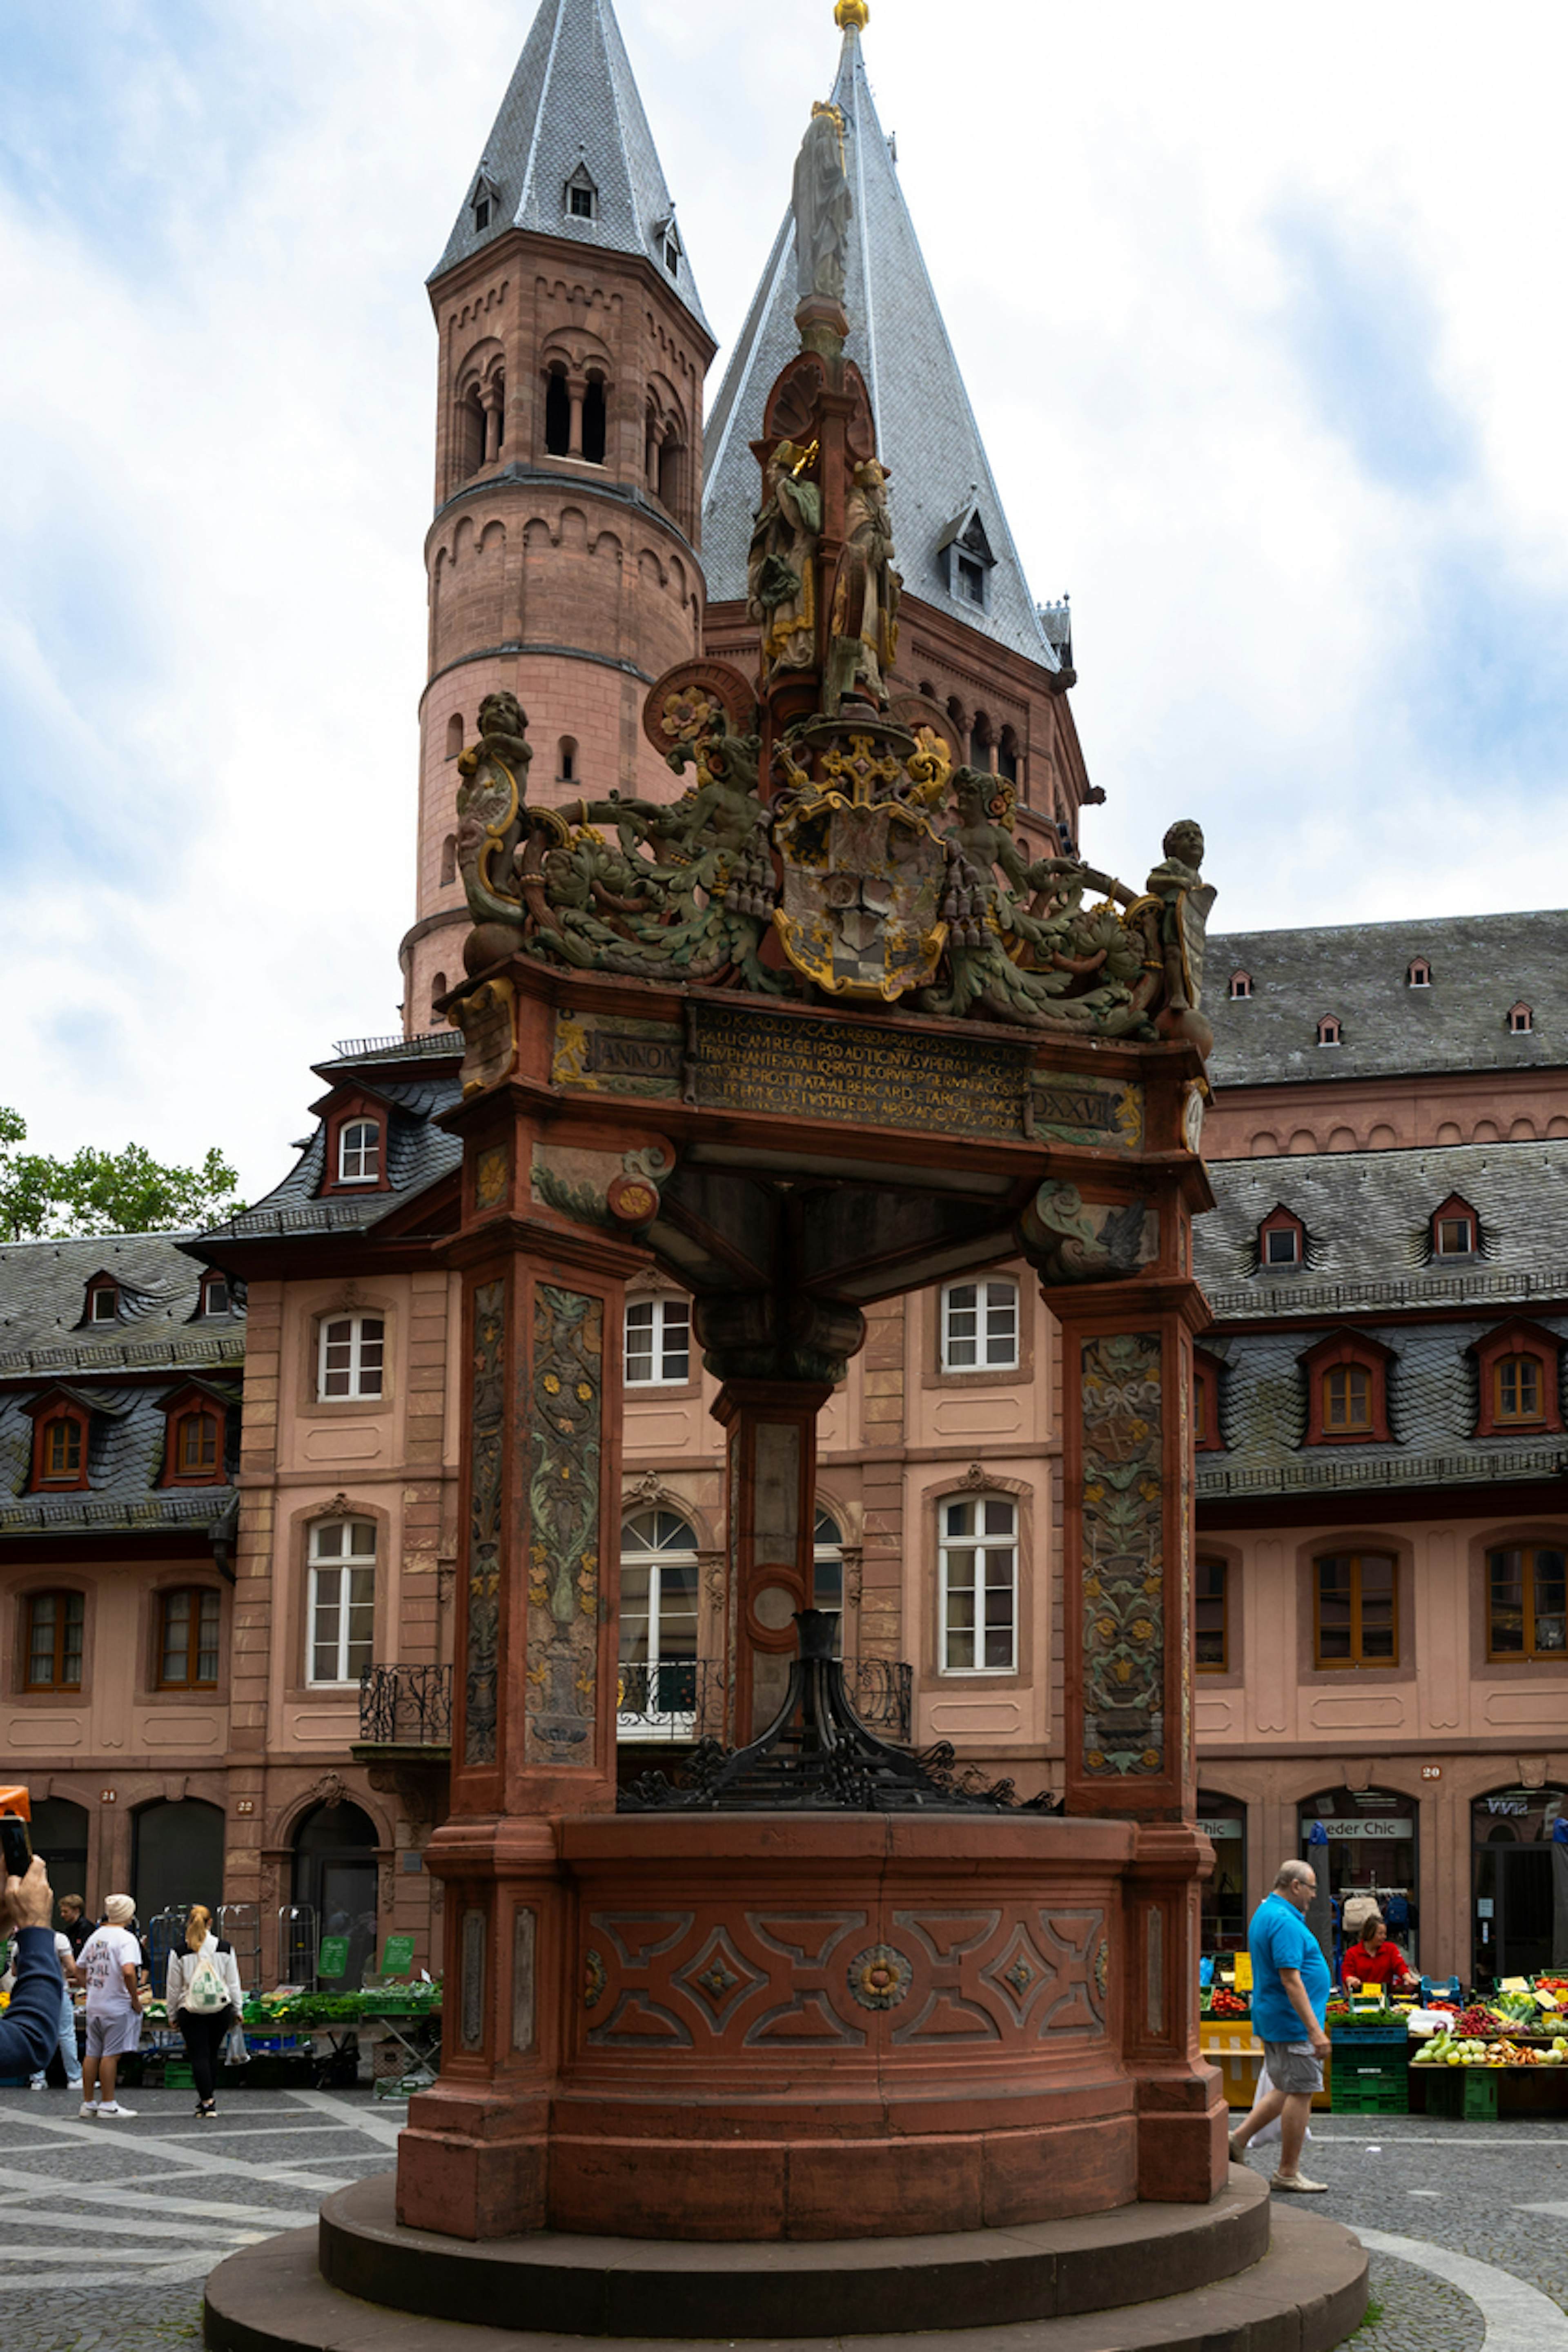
point(571, 118)
point(944, 497)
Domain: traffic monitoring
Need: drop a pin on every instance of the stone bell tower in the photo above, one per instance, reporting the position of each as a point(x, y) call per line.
point(562, 559)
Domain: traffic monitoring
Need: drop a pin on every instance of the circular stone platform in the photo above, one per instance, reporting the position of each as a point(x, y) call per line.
point(1214, 2279)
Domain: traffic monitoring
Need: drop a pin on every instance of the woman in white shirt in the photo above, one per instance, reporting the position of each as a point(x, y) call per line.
point(203, 1996)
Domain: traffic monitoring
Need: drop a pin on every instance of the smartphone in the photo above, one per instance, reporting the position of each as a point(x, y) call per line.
point(16, 1845)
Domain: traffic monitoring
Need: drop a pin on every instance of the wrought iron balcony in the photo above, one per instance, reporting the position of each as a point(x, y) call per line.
point(407, 1706)
point(682, 1700)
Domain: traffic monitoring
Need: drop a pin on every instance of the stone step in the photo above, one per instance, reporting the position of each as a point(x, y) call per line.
point(600, 2287)
point(1308, 2294)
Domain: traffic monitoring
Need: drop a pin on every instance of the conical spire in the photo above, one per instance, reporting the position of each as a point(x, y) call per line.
point(942, 495)
point(570, 153)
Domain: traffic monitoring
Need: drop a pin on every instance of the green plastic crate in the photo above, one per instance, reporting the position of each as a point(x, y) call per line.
point(1369, 2092)
point(177, 2075)
point(1468, 2094)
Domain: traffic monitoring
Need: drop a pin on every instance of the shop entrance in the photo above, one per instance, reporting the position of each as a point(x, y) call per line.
point(1511, 1834)
point(1223, 1820)
point(1374, 1851)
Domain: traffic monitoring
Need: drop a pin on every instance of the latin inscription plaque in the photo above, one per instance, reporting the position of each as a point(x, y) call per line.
point(868, 1078)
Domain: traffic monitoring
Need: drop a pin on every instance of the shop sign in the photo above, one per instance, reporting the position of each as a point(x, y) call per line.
point(1360, 1826)
point(1216, 1830)
point(1514, 1805)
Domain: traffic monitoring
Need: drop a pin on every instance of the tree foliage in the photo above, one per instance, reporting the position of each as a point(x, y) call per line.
point(95, 1191)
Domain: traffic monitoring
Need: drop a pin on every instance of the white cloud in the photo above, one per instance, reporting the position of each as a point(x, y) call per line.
point(216, 410)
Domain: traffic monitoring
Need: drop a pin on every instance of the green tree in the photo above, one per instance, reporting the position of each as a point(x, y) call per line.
point(96, 1192)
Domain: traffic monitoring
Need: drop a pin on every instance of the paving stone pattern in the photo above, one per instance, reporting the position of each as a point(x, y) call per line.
point(109, 2229)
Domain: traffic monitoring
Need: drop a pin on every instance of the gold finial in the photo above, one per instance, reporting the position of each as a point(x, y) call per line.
point(852, 16)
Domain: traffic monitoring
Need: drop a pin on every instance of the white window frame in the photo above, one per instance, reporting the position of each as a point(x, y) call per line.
point(100, 1292)
point(361, 1339)
point(354, 1562)
point(828, 1546)
point(1282, 1232)
point(211, 1282)
point(1463, 1223)
point(359, 1173)
point(979, 1544)
point(989, 1299)
point(642, 1549)
point(669, 1319)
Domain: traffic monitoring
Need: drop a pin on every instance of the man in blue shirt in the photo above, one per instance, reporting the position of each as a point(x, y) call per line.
point(1290, 1986)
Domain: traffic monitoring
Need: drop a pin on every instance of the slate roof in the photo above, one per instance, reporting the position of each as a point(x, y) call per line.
point(926, 430)
point(1367, 1215)
point(1481, 966)
point(418, 1155)
point(573, 100)
point(45, 1344)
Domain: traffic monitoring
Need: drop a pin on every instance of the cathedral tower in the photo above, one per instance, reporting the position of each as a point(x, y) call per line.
point(562, 559)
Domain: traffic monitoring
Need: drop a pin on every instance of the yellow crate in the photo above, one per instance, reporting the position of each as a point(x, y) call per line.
point(1230, 2044)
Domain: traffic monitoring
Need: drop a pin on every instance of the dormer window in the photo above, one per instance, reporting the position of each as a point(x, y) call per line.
point(485, 204)
point(1240, 983)
point(582, 195)
point(970, 581)
point(1329, 1030)
point(669, 247)
point(194, 1449)
point(60, 1443)
point(215, 1297)
point(1347, 1390)
point(1456, 1229)
point(482, 213)
point(1520, 1019)
point(1282, 1240)
point(967, 553)
point(1517, 1383)
point(103, 1303)
point(1419, 974)
point(359, 1152)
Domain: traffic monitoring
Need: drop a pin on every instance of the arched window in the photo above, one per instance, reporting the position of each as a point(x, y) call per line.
point(1240, 983)
point(1347, 1390)
point(188, 1622)
point(340, 1641)
point(196, 1447)
point(1527, 1603)
point(495, 415)
point(658, 1643)
point(1206, 1433)
point(1520, 1019)
point(448, 861)
point(437, 991)
point(353, 1356)
point(177, 1856)
point(979, 1584)
point(1419, 974)
point(1518, 1379)
point(827, 1574)
point(454, 734)
point(56, 1622)
point(980, 1325)
point(62, 1459)
point(1329, 1030)
point(567, 757)
point(1356, 1596)
point(596, 421)
point(359, 1152)
point(1007, 755)
point(336, 1879)
point(471, 433)
point(671, 471)
point(557, 414)
point(980, 742)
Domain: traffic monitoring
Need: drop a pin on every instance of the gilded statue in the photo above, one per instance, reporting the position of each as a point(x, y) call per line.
point(866, 594)
point(781, 575)
point(492, 820)
point(823, 208)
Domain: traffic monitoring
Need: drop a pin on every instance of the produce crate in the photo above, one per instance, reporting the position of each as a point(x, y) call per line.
point(1359, 2033)
point(1370, 2081)
point(1468, 2094)
point(177, 2075)
point(1232, 2046)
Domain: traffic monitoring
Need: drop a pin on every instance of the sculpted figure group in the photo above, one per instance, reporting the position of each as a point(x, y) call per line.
point(688, 889)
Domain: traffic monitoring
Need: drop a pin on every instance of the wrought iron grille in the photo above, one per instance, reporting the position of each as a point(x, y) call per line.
point(881, 1692)
point(683, 1699)
point(405, 1706)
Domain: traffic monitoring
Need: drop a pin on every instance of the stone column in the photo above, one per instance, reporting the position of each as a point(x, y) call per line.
point(575, 394)
point(534, 1714)
point(770, 1505)
point(1128, 1639)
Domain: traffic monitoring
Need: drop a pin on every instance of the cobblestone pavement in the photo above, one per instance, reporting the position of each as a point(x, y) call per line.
point(109, 2229)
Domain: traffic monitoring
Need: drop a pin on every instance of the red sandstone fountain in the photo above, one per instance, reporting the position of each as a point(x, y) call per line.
point(815, 2037)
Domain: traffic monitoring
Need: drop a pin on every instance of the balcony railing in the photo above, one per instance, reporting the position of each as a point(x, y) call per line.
point(405, 1706)
point(682, 1699)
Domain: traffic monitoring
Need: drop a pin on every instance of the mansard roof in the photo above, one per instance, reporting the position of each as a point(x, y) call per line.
point(572, 105)
point(926, 429)
point(1370, 1216)
point(42, 1285)
point(1481, 966)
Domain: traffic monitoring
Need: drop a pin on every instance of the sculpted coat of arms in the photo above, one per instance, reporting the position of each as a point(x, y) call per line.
point(863, 868)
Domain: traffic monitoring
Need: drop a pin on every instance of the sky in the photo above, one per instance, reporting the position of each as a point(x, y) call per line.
point(1260, 311)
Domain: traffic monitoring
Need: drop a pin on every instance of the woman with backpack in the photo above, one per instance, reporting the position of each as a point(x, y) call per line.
point(203, 1997)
